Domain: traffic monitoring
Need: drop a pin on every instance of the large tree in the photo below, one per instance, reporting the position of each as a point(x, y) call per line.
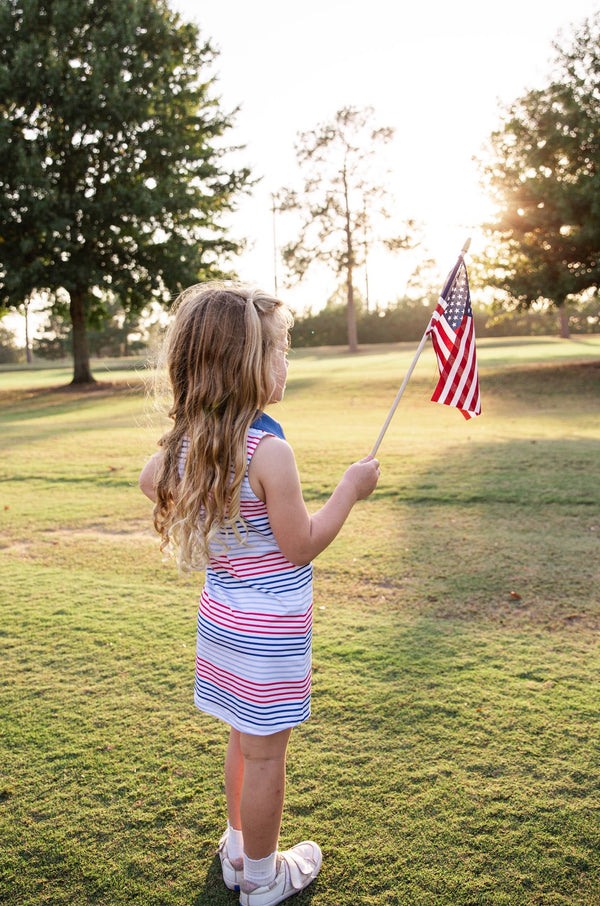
point(543, 174)
point(341, 201)
point(112, 179)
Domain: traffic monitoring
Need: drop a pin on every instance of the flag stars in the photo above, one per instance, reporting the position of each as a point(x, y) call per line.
point(458, 302)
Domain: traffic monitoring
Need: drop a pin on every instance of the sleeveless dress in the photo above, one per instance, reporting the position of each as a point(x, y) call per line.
point(253, 651)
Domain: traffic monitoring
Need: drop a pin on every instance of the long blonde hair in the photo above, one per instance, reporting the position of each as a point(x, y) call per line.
point(220, 353)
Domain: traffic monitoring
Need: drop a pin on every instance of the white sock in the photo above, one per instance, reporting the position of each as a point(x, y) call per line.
point(260, 871)
point(235, 843)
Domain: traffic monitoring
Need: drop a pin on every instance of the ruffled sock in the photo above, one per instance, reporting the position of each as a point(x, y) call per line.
point(235, 844)
point(260, 872)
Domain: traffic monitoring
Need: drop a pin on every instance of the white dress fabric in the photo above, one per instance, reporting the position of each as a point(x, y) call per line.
point(253, 653)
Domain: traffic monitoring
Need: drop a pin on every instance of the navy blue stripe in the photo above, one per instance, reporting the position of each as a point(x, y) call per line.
point(256, 715)
point(278, 581)
point(250, 645)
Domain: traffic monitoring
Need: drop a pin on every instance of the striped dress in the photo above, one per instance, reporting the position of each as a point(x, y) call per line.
point(253, 653)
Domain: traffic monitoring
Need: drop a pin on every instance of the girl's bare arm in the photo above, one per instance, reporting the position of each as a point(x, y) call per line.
point(274, 478)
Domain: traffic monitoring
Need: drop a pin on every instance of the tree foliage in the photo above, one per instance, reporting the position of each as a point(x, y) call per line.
point(55, 338)
point(112, 180)
point(121, 334)
point(341, 201)
point(544, 177)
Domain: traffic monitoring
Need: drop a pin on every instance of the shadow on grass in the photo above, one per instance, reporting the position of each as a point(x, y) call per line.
point(452, 707)
point(537, 380)
point(510, 532)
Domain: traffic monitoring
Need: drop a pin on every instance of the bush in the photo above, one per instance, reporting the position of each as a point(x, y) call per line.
point(407, 320)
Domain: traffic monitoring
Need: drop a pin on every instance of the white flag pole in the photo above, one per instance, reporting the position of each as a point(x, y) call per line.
point(399, 394)
point(420, 348)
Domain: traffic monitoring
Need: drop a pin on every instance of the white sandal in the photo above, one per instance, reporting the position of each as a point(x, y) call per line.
point(233, 869)
point(296, 869)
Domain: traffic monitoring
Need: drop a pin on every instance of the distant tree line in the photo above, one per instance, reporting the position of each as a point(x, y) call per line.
point(403, 321)
point(407, 319)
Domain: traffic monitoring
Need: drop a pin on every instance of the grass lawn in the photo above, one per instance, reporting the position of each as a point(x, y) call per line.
point(452, 757)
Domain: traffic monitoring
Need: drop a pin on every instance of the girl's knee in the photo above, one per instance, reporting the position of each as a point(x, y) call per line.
point(234, 738)
point(264, 748)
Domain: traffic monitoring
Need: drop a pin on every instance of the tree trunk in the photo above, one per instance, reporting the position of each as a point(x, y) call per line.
point(563, 321)
point(351, 308)
point(81, 356)
point(27, 339)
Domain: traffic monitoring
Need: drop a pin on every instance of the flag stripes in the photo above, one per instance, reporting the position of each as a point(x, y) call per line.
point(452, 333)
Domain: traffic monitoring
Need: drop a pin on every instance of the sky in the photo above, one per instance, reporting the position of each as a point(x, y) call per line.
point(436, 72)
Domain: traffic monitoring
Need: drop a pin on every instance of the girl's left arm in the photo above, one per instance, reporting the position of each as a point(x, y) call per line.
point(148, 476)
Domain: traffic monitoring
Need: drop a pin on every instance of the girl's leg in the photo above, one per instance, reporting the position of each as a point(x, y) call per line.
point(234, 776)
point(262, 792)
point(231, 844)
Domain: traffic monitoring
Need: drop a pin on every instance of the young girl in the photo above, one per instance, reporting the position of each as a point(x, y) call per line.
point(228, 500)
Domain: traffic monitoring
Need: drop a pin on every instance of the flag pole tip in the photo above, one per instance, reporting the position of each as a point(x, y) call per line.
point(466, 246)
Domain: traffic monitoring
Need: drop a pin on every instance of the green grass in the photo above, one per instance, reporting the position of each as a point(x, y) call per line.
point(452, 757)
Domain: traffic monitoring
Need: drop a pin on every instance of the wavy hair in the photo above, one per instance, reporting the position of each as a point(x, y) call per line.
point(220, 353)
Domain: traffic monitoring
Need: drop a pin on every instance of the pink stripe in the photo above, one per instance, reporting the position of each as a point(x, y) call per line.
point(255, 627)
point(261, 568)
point(250, 691)
point(254, 623)
point(269, 564)
point(253, 506)
point(273, 557)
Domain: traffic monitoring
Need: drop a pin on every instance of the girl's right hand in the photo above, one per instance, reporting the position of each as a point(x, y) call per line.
point(364, 476)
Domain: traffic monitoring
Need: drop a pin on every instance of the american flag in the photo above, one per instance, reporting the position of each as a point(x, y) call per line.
point(453, 337)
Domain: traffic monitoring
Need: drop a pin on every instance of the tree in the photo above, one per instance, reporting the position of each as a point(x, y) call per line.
point(116, 335)
point(55, 337)
point(9, 351)
point(341, 200)
point(112, 178)
point(544, 177)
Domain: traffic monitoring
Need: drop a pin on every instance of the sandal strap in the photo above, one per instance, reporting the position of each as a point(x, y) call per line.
point(298, 868)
